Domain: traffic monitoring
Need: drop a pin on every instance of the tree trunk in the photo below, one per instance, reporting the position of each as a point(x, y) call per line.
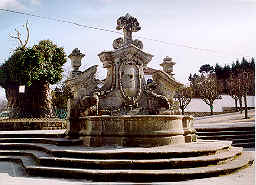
point(182, 111)
point(241, 105)
point(245, 108)
point(236, 105)
point(211, 107)
point(34, 103)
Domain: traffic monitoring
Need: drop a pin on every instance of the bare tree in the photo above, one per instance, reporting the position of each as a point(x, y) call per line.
point(238, 88)
point(233, 86)
point(18, 36)
point(184, 95)
point(208, 89)
point(3, 105)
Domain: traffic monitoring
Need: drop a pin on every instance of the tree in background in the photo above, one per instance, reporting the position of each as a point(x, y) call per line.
point(35, 68)
point(184, 95)
point(241, 85)
point(60, 98)
point(208, 89)
point(234, 90)
point(224, 76)
point(206, 68)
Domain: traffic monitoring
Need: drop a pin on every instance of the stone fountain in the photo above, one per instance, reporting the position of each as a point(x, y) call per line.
point(125, 111)
point(124, 129)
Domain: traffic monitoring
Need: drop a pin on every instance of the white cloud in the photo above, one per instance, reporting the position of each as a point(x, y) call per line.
point(106, 1)
point(246, 1)
point(35, 2)
point(17, 4)
point(11, 4)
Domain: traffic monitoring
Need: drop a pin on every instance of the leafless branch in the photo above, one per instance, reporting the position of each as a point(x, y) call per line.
point(18, 36)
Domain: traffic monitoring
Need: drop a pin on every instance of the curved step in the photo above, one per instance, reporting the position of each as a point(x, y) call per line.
point(33, 134)
point(46, 160)
point(222, 129)
point(141, 175)
point(245, 145)
point(231, 132)
point(230, 135)
point(162, 152)
point(142, 164)
point(54, 141)
point(230, 138)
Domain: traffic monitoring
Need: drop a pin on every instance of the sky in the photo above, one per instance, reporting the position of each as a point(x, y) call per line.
point(195, 32)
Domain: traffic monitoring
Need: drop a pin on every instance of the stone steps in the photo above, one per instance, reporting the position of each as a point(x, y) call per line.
point(60, 157)
point(140, 175)
point(46, 160)
point(228, 132)
point(141, 164)
point(55, 141)
point(234, 139)
point(33, 134)
point(163, 152)
point(239, 135)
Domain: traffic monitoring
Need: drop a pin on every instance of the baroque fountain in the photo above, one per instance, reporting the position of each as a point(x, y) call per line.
point(126, 110)
point(123, 130)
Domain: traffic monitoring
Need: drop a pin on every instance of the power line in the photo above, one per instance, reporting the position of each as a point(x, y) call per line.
point(60, 20)
point(112, 31)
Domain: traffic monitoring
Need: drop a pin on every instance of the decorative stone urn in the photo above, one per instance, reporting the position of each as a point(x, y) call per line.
point(76, 57)
point(168, 65)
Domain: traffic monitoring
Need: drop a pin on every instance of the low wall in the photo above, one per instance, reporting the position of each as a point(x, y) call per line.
point(202, 114)
point(198, 105)
point(32, 124)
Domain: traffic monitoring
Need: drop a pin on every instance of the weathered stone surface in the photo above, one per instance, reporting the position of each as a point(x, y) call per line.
point(32, 124)
point(132, 130)
point(133, 105)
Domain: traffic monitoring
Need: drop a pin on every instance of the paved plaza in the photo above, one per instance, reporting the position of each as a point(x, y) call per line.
point(11, 173)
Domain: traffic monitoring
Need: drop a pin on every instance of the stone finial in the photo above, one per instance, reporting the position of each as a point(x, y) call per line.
point(76, 57)
point(129, 24)
point(167, 65)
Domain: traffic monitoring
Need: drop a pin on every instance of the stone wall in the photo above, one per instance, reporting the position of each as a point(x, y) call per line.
point(32, 124)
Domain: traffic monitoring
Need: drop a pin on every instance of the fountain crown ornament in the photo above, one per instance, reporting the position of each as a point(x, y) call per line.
point(128, 24)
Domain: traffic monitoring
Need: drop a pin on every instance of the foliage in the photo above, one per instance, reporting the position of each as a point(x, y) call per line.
point(184, 96)
point(206, 68)
point(43, 62)
point(208, 89)
point(223, 74)
point(239, 86)
point(60, 96)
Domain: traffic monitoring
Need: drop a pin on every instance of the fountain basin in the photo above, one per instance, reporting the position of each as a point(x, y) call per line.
point(132, 130)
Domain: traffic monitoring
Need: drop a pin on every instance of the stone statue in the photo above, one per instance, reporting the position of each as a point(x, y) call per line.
point(125, 90)
point(84, 106)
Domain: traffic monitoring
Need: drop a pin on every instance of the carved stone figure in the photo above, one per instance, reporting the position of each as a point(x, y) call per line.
point(125, 90)
point(84, 106)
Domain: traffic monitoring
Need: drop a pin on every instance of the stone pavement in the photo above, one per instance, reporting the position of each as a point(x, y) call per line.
point(243, 177)
point(225, 119)
point(11, 174)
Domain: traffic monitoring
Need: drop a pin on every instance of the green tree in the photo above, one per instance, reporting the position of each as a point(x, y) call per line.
point(184, 95)
point(206, 68)
point(208, 89)
point(36, 68)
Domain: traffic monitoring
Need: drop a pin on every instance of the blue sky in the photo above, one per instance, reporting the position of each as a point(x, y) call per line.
point(225, 26)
